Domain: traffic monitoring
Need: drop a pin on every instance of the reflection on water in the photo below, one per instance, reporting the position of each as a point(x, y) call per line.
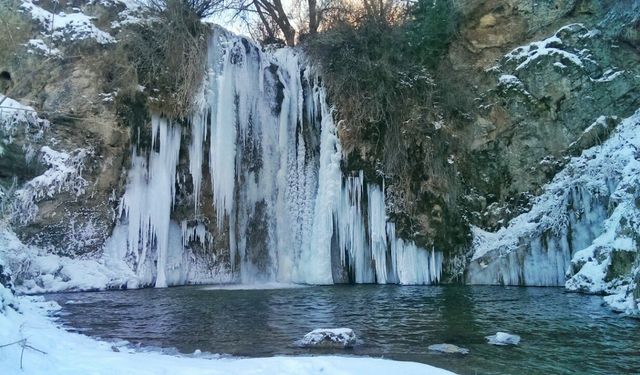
point(561, 333)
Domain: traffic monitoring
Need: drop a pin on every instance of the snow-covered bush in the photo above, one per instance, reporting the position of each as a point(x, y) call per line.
point(64, 175)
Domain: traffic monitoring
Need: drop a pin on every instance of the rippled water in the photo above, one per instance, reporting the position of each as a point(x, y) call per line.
point(561, 333)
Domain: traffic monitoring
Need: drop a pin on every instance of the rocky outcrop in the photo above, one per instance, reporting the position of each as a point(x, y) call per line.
point(559, 84)
point(83, 146)
point(537, 101)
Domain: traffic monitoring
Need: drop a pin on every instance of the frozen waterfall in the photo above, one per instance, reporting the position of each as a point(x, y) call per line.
point(264, 138)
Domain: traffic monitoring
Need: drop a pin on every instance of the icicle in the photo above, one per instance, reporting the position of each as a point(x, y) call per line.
point(148, 202)
point(378, 231)
point(196, 148)
point(222, 152)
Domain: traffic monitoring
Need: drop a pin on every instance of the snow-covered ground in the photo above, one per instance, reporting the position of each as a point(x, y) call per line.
point(49, 349)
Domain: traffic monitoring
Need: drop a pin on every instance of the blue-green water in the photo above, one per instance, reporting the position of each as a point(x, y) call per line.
point(561, 333)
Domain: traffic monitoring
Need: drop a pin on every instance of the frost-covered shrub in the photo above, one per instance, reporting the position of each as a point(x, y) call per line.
point(379, 92)
point(17, 118)
point(64, 175)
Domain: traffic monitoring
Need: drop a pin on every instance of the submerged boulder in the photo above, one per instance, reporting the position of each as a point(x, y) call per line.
point(503, 338)
point(448, 349)
point(329, 338)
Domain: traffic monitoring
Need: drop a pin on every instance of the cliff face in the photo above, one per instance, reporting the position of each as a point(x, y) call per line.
point(542, 73)
point(68, 161)
point(533, 84)
point(551, 189)
point(520, 84)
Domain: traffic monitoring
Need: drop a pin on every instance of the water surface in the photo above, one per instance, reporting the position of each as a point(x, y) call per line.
point(562, 333)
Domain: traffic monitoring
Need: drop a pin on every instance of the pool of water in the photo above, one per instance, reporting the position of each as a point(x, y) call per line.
point(562, 333)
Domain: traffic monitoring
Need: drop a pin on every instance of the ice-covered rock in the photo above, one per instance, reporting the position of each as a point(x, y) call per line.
point(503, 338)
point(580, 233)
point(329, 338)
point(448, 349)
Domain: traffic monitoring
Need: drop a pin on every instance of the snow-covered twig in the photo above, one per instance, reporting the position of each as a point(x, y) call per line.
point(23, 344)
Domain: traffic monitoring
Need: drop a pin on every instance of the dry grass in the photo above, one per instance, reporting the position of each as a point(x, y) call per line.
point(168, 53)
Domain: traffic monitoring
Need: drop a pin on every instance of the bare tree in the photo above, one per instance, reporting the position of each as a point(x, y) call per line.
point(314, 16)
point(269, 12)
point(273, 12)
point(277, 20)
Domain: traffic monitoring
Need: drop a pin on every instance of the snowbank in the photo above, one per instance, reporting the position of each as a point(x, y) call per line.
point(52, 350)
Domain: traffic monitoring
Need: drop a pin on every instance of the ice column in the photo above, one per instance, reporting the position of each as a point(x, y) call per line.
point(148, 201)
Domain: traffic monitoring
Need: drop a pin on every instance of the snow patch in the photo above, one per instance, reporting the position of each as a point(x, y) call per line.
point(67, 27)
point(609, 75)
point(39, 47)
point(552, 46)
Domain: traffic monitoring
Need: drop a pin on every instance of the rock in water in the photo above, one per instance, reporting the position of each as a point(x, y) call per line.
point(329, 338)
point(503, 338)
point(448, 349)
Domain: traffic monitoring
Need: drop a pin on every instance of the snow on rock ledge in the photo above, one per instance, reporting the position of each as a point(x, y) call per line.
point(67, 27)
point(329, 338)
point(583, 230)
point(34, 270)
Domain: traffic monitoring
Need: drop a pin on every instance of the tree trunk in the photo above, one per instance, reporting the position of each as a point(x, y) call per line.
point(279, 16)
point(314, 19)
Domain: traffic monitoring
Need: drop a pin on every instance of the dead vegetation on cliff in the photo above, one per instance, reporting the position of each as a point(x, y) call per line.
point(167, 53)
point(394, 104)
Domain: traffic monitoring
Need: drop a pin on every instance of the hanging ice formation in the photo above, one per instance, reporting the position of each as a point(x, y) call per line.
point(584, 216)
point(537, 247)
point(266, 137)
